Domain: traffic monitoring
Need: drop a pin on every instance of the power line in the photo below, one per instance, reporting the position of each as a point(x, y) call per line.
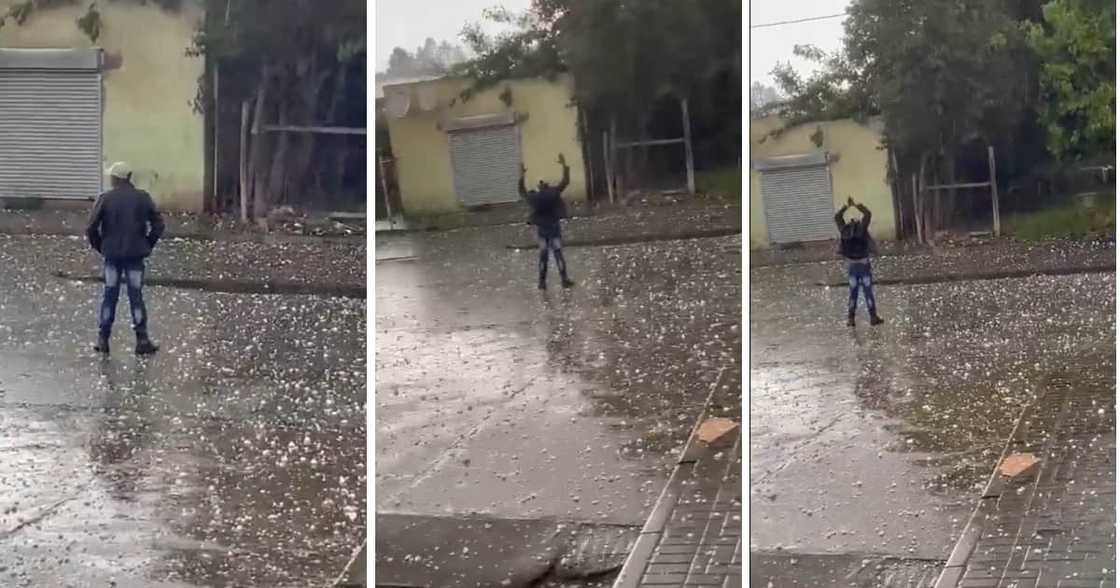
point(800, 20)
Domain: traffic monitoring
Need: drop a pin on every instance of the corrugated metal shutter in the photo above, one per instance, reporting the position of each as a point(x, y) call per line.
point(798, 203)
point(486, 163)
point(50, 133)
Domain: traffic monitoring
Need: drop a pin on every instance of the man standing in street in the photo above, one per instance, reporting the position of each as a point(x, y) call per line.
point(856, 246)
point(124, 227)
point(547, 209)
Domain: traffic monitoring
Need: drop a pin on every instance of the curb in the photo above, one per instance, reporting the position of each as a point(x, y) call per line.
point(981, 276)
point(354, 574)
point(632, 569)
point(970, 535)
point(652, 238)
point(239, 286)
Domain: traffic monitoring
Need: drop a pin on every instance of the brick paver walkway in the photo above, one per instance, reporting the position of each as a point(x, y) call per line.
point(693, 536)
point(1056, 527)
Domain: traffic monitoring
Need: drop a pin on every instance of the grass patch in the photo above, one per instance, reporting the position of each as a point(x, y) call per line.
point(1075, 221)
point(726, 182)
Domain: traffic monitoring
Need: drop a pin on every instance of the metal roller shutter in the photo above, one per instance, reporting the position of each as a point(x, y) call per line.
point(798, 204)
point(486, 163)
point(50, 131)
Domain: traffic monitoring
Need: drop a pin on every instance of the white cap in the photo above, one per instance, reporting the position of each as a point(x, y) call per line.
point(120, 170)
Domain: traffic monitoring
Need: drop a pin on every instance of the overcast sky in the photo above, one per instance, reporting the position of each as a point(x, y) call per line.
point(773, 45)
point(406, 23)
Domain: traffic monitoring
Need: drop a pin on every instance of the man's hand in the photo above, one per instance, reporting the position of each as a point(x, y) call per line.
point(523, 170)
point(561, 160)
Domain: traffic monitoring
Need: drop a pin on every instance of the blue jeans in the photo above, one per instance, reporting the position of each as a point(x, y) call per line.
point(131, 272)
point(549, 239)
point(859, 278)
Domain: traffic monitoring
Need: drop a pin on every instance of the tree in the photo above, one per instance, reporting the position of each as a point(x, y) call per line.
point(284, 57)
point(622, 54)
point(430, 59)
point(1077, 46)
point(942, 73)
point(764, 99)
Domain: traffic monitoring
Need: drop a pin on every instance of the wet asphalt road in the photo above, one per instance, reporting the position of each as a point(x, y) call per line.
point(496, 400)
point(876, 442)
point(236, 456)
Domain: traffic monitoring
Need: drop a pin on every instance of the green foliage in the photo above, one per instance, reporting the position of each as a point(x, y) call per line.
point(90, 23)
point(1077, 46)
point(622, 54)
point(724, 182)
point(940, 72)
point(1068, 222)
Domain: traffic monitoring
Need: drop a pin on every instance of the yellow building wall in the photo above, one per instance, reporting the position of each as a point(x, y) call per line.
point(148, 118)
point(423, 156)
point(860, 171)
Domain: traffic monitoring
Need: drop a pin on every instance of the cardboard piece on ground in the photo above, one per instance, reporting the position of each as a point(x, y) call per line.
point(1017, 464)
point(716, 431)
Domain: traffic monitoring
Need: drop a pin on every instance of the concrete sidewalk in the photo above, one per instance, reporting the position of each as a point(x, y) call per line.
point(693, 536)
point(1055, 527)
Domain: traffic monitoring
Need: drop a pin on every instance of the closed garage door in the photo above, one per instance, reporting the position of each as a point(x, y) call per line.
point(487, 164)
point(798, 203)
point(50, 124)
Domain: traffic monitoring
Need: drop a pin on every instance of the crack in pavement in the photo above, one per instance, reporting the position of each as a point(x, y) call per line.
point(42, 515)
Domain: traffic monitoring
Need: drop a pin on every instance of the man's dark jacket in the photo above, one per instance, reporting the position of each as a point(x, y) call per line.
point(124, 224)
point(855, 238)
point(546, 206)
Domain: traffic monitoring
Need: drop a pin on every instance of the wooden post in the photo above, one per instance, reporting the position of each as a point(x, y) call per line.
point(688, 146)
point(384, 190)
point(607, 166)
point(619, 183)
point(995, 189)
point(217, 137)
point(586, 151)
point(244, 162)
point(917, 211)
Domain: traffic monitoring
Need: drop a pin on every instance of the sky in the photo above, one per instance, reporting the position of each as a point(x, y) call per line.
point(406, 23)
point(773, 45)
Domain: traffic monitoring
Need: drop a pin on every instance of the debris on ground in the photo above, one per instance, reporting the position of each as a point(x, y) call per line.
point(1017, 464)
point(717, 431)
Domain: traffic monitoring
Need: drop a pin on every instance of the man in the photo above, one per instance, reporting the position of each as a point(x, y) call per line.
point(856, 247)
point(548, 208)
point(124, 227)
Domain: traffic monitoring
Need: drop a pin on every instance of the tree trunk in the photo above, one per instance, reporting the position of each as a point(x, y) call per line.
point(301, 172)
point(951, 195)
point(257, 145)
point(325, 146)
point(333, 182)
point(277, 185)
point(924, 232)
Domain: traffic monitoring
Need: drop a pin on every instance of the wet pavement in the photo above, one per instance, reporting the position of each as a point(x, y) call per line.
point(1055, 525)
point(870, 446)
point(236, 456)
point(553, 411)
point(325, 263)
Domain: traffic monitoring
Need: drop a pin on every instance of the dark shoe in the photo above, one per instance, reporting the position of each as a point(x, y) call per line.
point(541, 284)
point(851, 320)
point(146, 347)
point(875, 320)
point(567, 283)
point(102, 345)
